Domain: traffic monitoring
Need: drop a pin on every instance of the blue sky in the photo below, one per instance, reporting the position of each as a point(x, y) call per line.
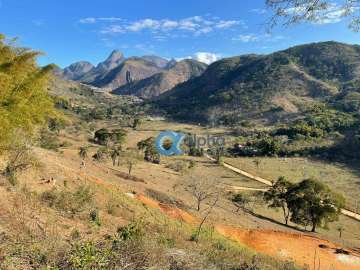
point(69, 31)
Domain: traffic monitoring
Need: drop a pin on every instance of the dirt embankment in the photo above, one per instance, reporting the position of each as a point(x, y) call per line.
point(303, 249)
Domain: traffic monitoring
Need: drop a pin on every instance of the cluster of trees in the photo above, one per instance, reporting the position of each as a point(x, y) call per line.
point(318, 123)
point(112, 142)
point(105, 137)
point(308, 203)
point(150, 152)
point(262, 145)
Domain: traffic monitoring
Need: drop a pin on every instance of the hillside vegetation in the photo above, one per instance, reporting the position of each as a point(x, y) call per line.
point(269, 87)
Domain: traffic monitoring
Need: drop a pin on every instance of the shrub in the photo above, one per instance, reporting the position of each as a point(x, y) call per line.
point(94, 217)
point(67, 202)
point(133, 231)
point(179, 166)
point(49, 140)
point(88, 256)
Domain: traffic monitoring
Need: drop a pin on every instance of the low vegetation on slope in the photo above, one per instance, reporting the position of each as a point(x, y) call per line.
point(268, 87)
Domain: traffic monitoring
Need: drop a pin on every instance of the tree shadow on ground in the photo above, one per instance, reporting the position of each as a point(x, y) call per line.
point(259, 216)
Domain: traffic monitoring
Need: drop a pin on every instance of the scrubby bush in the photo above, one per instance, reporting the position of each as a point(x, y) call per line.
point(104, 136)
point(133, 231)
point(68, 202)
point(180, 166)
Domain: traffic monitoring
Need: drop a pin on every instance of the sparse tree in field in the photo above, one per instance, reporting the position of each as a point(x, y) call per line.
point(136, 122)
point(83, 152)
point(100, 154)
point(257, 163)
point(195, 236)
point(289, 12)
point(218, 152)
point(115, 154)
point(240, 201)
point(277, 196)
point(150, 152)
point(340, 229)
point(202, 189)
point(313, 203)
point(130, 157)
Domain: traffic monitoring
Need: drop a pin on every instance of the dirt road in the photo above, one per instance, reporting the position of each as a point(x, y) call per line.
point(345, 212)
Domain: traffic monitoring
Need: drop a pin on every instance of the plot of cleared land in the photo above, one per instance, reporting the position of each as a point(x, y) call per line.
point(337, 176)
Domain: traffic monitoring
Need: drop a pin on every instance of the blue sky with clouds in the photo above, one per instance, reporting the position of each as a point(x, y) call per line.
point(69, 31)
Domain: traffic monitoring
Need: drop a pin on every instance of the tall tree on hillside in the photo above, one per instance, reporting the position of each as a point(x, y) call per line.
point(150, 152)
point(136, 122)
point(277, 196)
point(288, 12)
point(83, 152)
point(313, 203)
point(24, 100)
point(115, 154)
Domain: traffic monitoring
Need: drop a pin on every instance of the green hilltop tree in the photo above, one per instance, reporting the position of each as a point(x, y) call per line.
point(313, 203)
point(277, 196)
point(24, 100)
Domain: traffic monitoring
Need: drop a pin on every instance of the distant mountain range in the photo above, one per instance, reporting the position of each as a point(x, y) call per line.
point(146, 77)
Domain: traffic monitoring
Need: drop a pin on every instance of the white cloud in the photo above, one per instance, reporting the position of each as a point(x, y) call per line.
point(87, 20)
point(113, 29)
point(204, 57)
point(169, 24)
point(143, 24)
point(204, 30)
point(246, 38)
point(260, 11)
point(207, 57)
point(92, 20)
point(254, 38)
point(196, 25)
point(227, 24)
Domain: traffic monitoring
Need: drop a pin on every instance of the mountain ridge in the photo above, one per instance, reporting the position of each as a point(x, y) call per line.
point(283, 82)
point(159, 83)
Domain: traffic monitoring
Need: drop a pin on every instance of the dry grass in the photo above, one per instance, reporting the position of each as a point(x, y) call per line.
point(339, 177)
point(168, 238)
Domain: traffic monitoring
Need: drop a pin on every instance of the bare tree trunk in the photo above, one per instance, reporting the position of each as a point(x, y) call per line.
point(197, 234)
point(286, 215)
point(130, 168)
